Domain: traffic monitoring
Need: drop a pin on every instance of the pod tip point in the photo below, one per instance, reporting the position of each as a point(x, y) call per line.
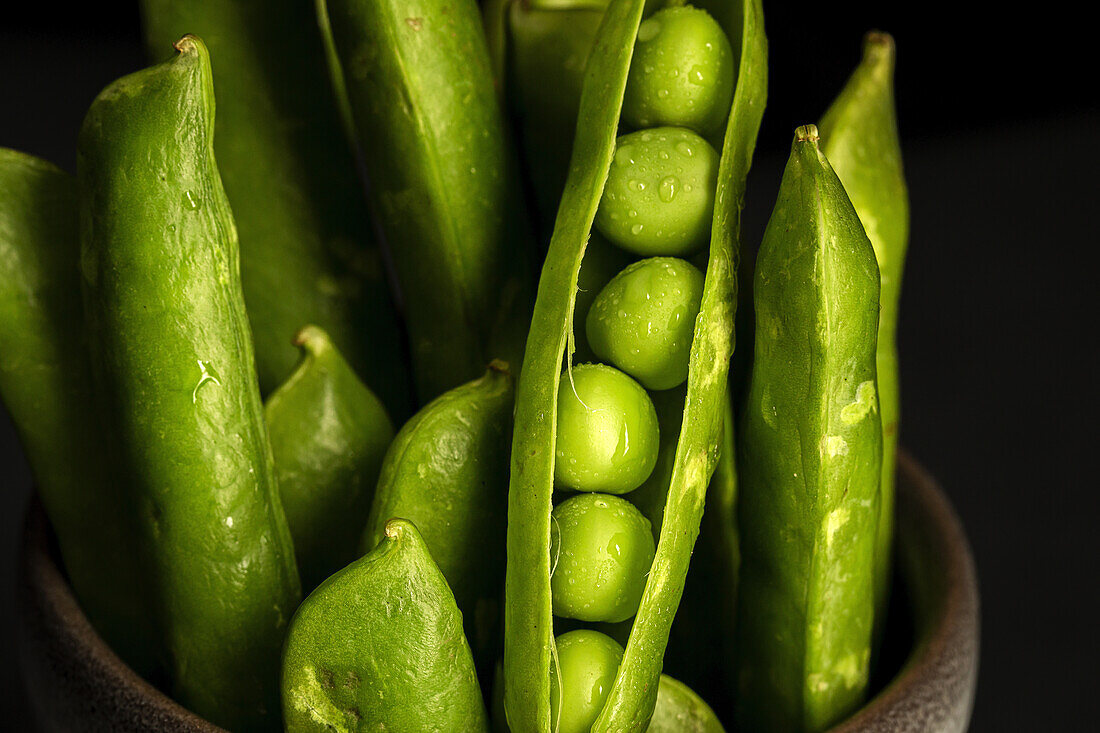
point(396, 528)
point(807, 134)
point(187, 43)
point(311, 338)
point(878, 45)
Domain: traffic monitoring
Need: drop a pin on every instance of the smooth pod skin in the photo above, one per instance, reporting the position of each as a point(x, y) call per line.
point(446, 472)
point(581, 679)
point(859, 136)
point(443, 185)
point(602, 548)
point(681, 74)
point(46, 385)
point(307, 251)
point(606, 434)
point(329, 434)
point(643, 320)
point(659, 198)
point(811, 454)
point(528, 618)
point(680, 710)
point(379, 646)
point(173, 359)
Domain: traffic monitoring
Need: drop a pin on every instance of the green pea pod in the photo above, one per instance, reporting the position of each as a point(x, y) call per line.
point(680, 710)
point(859, 136)
point(811, 453)
point(442, 183)
point(307, 252)
point(528, 621)
point(379, 646)
point(329, 434)
point(447, 472)
point(173, 357)
point(45, 383)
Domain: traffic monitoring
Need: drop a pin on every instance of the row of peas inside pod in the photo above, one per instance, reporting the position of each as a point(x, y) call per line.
point(633, 321)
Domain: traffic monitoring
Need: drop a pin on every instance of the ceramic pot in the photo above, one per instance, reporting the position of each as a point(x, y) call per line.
point(75, 682)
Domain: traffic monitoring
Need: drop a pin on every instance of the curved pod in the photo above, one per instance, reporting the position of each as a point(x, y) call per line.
point(859, 136)
point(173, 356)
point(441, 182)
point(46, 385)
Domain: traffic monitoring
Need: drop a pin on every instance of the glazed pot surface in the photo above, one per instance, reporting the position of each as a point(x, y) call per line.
point(75, 682)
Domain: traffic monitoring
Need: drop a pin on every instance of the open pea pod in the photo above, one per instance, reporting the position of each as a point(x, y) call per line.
point(529, 637)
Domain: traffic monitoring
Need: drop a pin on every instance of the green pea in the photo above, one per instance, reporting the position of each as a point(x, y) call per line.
point(644, 319)
point(681, 72)
point(587, 662)
point(446, 472)
point(659, 196)
point(607, 432)
point(681, 710)
point(601, 550)
point(529, 620)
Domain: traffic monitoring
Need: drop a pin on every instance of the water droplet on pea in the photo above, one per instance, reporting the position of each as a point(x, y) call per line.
point(668, 189)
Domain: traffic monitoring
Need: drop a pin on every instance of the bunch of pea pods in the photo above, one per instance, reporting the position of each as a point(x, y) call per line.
point(326, 447)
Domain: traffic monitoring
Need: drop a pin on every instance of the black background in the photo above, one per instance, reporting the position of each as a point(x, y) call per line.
point(998, 338)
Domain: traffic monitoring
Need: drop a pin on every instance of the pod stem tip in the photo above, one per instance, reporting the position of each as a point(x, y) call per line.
point(878, 47)
point(807, 134)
